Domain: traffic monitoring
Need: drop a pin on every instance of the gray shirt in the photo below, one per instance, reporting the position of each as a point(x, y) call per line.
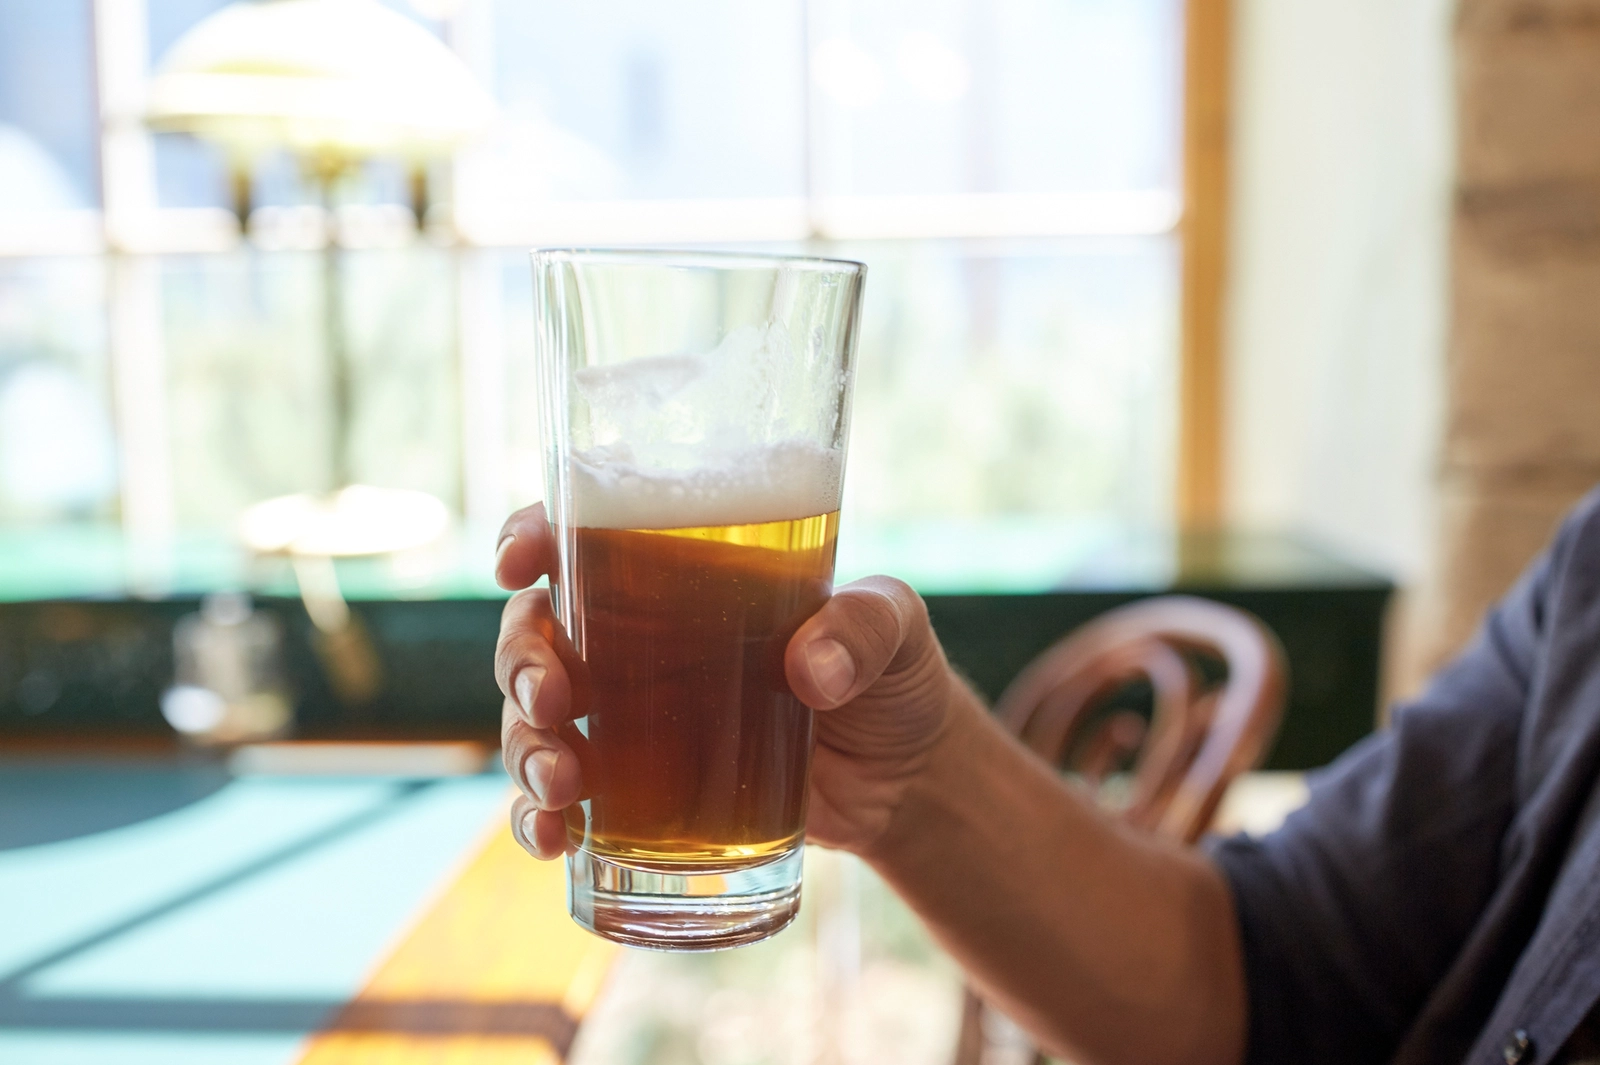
point(1438, 898)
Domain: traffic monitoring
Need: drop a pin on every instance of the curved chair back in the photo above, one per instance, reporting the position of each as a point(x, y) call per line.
point(1199, 738)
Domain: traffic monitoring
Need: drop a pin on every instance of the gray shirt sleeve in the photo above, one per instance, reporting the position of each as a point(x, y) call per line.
point(1352, 911)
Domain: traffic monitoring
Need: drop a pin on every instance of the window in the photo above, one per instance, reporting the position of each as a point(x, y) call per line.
point(1009, 170)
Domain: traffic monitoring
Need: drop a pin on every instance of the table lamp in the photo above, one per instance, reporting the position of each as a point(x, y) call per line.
point(335, 83)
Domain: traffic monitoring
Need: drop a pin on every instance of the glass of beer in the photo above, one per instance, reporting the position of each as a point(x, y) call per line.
point(694, 410)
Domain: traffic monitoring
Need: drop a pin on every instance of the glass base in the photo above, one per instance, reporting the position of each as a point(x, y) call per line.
point(694, 911)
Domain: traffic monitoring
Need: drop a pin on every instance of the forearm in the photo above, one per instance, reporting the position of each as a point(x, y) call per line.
point(1107, 945)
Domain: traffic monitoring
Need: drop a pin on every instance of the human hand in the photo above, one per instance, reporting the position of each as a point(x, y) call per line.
point(868, 660)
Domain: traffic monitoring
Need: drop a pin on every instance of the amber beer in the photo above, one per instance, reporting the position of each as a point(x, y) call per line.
point(697, 752)
point(695, 414)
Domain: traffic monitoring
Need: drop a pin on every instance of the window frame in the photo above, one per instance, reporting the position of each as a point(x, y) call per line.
point(134, 232)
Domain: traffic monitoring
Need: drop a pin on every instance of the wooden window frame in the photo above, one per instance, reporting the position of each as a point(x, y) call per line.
point(1203, 234)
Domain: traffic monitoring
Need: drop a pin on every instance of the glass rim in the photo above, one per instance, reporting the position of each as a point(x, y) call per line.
point(695, 259)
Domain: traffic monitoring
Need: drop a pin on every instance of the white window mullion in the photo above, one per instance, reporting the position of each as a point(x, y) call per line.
point(139, 390)
point(127, 157)
point(480, 309)
point(485, 440)
point(134, 311)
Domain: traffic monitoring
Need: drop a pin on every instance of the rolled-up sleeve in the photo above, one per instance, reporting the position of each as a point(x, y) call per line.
point(1352, 911)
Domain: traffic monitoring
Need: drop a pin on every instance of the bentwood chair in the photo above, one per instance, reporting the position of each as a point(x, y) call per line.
point(1202, 733)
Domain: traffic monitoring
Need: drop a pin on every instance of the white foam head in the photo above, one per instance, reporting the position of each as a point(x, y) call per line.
point(794, 479)
point(732, 436)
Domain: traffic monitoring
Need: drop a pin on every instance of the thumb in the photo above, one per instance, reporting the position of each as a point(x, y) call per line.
point(855, 638)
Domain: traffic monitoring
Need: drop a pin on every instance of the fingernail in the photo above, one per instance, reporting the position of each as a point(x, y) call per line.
point(500, 549)
point(833, 671)
point(540, 769)
point(529, 820)
point(526, 686)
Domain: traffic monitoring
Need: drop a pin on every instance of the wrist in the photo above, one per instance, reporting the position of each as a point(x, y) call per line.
point(941, 780)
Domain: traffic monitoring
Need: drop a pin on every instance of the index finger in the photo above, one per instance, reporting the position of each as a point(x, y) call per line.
point(526, 549)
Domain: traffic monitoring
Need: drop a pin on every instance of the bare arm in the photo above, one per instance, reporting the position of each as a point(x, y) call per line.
point(1105, 945)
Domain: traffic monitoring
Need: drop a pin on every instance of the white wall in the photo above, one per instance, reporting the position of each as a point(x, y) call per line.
point(1342, 179)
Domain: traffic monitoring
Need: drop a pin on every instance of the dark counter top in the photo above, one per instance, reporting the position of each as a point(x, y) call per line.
point(86, 619)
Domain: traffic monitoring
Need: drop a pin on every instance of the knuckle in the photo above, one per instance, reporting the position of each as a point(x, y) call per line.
point(907, 603)
point(521, 807)
point(522, 637)
point(520, 741)
point(526, 518)
point(515, 749)
point(506, 660)
point(877, 622)
point(522, 610)
point(513, 520)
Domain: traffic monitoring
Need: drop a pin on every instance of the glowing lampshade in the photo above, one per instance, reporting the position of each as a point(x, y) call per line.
point(339, 79)
point(357, 520)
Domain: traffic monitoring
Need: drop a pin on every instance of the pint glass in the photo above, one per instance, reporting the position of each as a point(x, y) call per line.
point(694, 413)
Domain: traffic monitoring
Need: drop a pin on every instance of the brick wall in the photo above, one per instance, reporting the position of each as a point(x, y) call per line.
point(1522, 423)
